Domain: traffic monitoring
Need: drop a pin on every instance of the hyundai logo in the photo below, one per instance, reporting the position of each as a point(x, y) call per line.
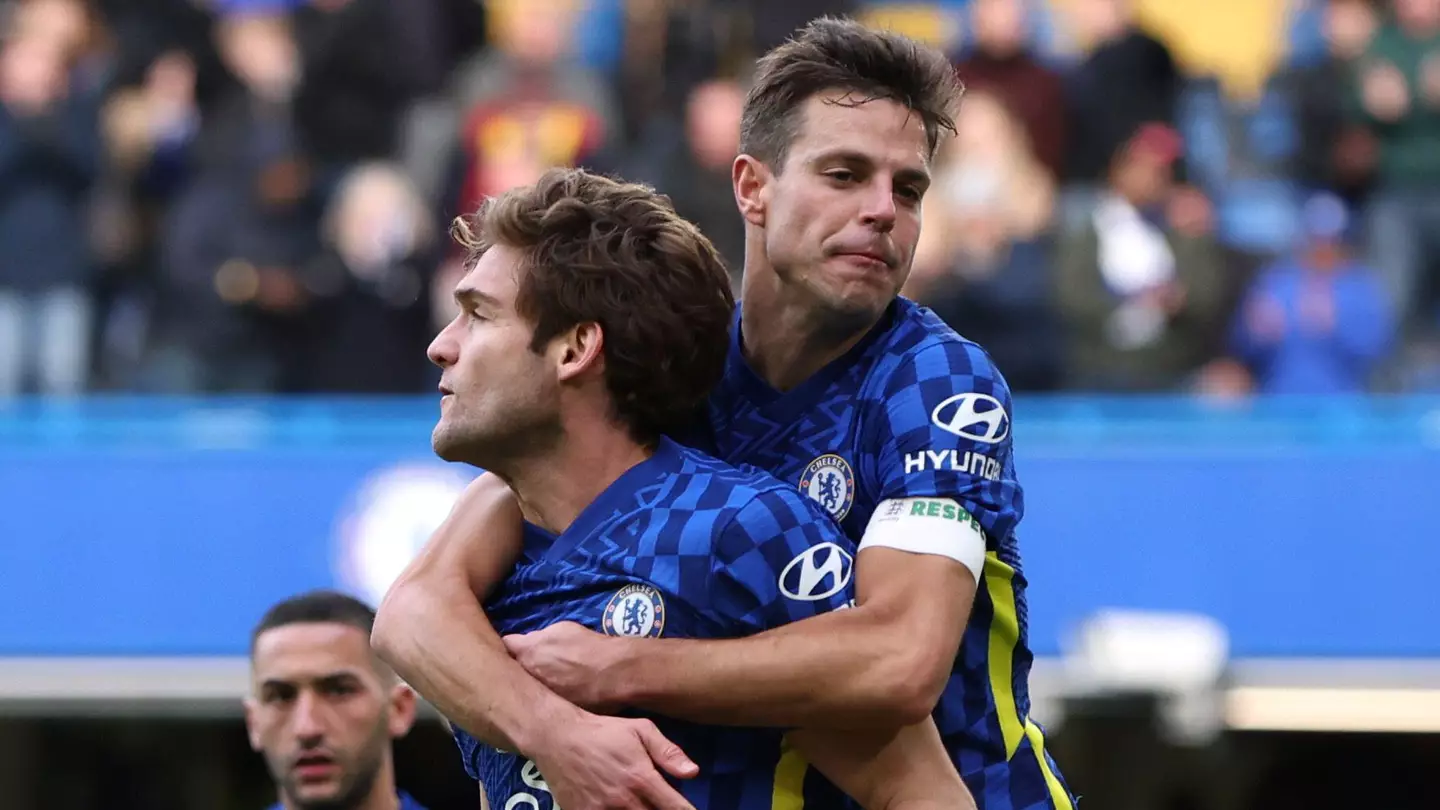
point(819, 572)
point(978, 417)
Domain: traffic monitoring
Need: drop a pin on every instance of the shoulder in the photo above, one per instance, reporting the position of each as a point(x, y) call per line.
point(749, 499)
point(929, 360)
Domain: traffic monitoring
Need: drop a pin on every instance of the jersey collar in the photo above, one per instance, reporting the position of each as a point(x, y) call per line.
point(666, 459)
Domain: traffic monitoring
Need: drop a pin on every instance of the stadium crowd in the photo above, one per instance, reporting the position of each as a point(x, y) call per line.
point(253, 195)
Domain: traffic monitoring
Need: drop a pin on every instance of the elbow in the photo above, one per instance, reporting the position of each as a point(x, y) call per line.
point(910, 685)
point(394, 623)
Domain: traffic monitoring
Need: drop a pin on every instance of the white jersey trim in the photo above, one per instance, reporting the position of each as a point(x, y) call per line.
point(936, 526)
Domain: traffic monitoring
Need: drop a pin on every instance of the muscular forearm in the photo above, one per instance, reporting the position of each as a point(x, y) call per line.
point(437, 638)
point(841, 670)
point(887, 769)
point(882, 664)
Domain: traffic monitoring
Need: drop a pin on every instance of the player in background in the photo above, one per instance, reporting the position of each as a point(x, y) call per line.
point(579, 288)
point(865, 401)
point(323, 709)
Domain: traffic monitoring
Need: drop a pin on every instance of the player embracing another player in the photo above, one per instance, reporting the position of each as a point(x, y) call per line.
point(895, 425)
point(548, 382)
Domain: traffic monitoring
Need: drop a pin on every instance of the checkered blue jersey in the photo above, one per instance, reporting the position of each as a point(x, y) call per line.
point(915, 411)
point(680, 546)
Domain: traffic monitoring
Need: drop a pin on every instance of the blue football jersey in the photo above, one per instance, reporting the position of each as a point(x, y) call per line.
point(915, 411)
point(680, 546)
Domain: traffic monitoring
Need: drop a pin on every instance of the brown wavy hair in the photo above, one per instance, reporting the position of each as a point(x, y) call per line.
point(597, 250)
point(834, 54)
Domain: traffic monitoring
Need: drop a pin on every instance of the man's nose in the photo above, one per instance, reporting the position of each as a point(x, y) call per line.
point(879, 209)
point(444, 348)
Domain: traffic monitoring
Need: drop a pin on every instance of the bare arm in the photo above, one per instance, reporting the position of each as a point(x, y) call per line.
point(431, 629)
point(893, 769)
point(881, 663)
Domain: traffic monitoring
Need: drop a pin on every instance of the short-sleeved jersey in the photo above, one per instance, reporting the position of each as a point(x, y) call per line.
point(915, 411)
point(680, 546)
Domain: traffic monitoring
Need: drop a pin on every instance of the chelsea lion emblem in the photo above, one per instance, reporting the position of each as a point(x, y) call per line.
point(636, 611)
point(830, 482)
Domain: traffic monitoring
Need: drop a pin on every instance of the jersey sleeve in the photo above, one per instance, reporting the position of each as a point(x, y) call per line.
point(943, 430)
point(779, 560)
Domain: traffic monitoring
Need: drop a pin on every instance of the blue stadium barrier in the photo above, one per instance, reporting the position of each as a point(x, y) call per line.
point(143, 527)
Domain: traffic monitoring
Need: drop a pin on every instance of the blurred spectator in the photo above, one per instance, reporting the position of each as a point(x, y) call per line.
point(50, 155)
point(516, 109)
point(1128, 78)
point(1001, 62)
point(150, 130)
point(367, 316)
point(982, 263)
point(1398, 97)
point(772, 23)
point(142, 31)
point(245, 222)
point(1141, 286)
point(696, 172)
point(669, 48)
point(361, 64)
point(1335, 153)
point(1318, 323)
point(526, 104)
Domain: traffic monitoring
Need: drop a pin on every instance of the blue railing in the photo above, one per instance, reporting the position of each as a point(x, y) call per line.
point(1041, 423)
point(134, 526)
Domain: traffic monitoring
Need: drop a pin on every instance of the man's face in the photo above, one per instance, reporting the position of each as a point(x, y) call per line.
point(500, 398)
point(842, 220)
point(999, 26)
point(1144, 178)
point(322, 714)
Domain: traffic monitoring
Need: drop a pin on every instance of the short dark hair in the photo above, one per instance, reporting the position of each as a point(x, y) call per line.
point(834, 54)
point(597, 250)
point(316, 607)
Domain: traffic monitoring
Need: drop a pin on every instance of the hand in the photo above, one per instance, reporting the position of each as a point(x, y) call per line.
point(573, 661)
point(609, 763)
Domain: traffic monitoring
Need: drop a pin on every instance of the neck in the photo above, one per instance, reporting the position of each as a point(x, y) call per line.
point(786, 340)
point(555, 487)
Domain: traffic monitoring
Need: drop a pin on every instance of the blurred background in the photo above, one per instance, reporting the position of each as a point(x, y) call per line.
point(1201, 239)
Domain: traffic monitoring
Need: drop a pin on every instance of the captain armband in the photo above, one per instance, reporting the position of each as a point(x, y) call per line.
point(937, 526)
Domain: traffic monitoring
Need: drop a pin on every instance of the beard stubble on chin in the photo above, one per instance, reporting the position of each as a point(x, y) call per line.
point(496, 448)
point(357, 781)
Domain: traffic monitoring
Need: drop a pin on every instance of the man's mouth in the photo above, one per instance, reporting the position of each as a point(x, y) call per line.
point(313, 767)
point(867, 257)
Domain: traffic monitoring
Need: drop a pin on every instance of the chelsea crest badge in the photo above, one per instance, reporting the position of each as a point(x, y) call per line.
point(636, 611)
point(830, 482)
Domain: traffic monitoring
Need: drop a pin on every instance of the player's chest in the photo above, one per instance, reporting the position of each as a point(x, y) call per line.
point(610, 601)
point(819, 454)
